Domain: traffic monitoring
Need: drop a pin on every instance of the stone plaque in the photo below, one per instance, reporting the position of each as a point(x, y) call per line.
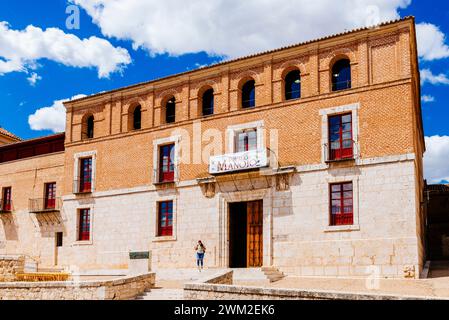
point(139, 255)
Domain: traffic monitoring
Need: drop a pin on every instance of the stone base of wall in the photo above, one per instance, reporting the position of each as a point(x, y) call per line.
point(120, 289)
point(10, 266)
point(205, 291)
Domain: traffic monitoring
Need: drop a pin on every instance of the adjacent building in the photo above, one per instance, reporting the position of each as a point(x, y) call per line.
point(306, 158)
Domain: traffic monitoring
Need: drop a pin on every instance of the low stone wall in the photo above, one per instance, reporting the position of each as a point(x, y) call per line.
point(206, 291)
point(220, 278)
point(10, 266)
point(120, 289)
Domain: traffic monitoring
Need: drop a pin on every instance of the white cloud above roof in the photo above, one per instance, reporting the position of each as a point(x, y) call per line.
point(232, 28)
point(51, 118)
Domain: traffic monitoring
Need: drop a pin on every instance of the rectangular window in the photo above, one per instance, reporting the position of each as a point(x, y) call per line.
point(340, 137)
point(246, 140)
point(85, 175)
point(165, 219)
point(342, 205)
point(84, 225)
point(50, 196)
point(6, 200)
point(167, 163)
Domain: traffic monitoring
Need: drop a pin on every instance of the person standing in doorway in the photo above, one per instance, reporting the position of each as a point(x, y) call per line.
point(200, 252)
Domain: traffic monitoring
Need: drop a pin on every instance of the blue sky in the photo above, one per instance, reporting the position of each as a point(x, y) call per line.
point(137, 34)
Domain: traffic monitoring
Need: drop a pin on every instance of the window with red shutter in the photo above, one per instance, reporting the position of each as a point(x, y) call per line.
point(50, 196)
point(85, 175)
point(167, 164)
point(84, 225)
point(340, 137)
point(342, 205)
point(165, 219)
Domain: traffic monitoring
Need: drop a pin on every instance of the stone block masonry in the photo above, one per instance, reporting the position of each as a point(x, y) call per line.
point(120, 289)
point(10, 266)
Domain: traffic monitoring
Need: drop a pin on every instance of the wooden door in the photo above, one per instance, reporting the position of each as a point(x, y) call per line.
point(255, 234)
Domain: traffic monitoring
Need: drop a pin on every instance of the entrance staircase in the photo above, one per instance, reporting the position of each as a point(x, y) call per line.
point(257, 276)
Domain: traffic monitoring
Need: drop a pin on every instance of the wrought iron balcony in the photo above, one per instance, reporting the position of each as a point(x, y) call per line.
point(342, 154)
point(44, 205)
point(5, 206)
point(82, 187)
point(341, 85)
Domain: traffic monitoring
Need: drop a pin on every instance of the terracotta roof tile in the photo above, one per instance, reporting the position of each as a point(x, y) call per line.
point(9, 134)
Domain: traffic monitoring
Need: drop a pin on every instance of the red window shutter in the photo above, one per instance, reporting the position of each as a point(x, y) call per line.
point(84, 225)
point(7, 196)
point(50, 196)
point(165, 219)
point(342, 204)
point(167, 164)
point(341, 144)
point(86, 175)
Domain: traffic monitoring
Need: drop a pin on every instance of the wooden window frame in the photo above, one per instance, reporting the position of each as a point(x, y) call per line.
point(166, 215)
point(167, 176)
point(50, 196)
point(84, 225)
point(341, 153)
point(342, 218)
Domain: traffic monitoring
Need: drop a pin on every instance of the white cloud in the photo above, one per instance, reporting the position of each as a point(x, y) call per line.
point(436, 159)
point(431, 42)
point(231, 27)
point(21, 49)
point(34, 78)
point(436, 79)
point(51, 118)
point(427, 98)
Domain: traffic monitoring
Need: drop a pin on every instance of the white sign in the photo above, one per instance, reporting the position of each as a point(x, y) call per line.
point(238, 161)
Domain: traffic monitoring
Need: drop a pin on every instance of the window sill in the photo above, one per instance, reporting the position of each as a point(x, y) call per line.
point(166, 183)
point(164, 239)
point(348, 228)
point(79, 193)
point(83, 243)
point(340, 160)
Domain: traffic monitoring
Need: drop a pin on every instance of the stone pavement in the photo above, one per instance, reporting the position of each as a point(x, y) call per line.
point(437, 287)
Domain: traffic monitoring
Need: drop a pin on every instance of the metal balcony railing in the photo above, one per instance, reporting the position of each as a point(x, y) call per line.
point(5, 206)
point(341, 85)
point(44, 205)
point(342, 154)
point(81, 186)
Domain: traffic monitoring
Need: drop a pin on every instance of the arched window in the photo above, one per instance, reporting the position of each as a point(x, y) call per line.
point(90, 127)
point(137, 118)
point(208, 102)
point(341, 75)
point(293, 85)
point(170, 110)
point(249, 94)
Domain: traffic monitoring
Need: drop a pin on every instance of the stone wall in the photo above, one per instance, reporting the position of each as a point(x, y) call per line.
point(10, 266)
point(121, 289)
point(203, 291)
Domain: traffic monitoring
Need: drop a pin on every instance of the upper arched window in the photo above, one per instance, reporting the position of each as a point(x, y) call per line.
point(341, 75)
point(208, 102)
point(170, 110)
point(137, 118)
point(293, 85)
point(90, 127)
point(249, 94)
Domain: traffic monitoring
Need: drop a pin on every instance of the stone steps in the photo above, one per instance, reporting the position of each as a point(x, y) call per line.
point(162, 295)
point(263, 275)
